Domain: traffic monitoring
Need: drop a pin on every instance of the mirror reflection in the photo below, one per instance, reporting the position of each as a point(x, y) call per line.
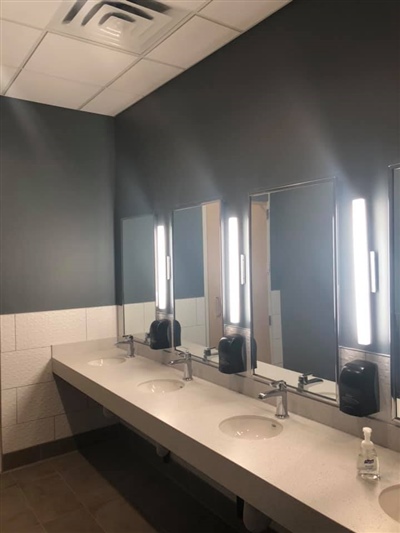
point(138, 275)
point(395, 287)
point(293, 286)
point(197, 278)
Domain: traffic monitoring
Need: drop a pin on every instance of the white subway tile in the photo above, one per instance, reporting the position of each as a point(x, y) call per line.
point(134, 318)
point(276, 329)
point(25, 367)
point(277, 352)
point(201, 311)
point(35, 330)
point(196, 334)
point(101, 322)
point(74, 423)
point(186, 312)
point(8, 407)
point(149, 314)
point(38, 401)
point(7, 333)
point(28, 434)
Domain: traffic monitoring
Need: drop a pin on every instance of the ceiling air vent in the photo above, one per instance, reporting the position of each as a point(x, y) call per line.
point(131, 25)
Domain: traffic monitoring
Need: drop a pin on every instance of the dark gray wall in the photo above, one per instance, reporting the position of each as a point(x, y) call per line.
point(302, 260)
point(138, 259)
point(57, 194)
point(311, 92)
point(188, 253)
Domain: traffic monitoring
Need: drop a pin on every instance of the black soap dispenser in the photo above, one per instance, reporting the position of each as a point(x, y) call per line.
point(359, 388)
point(232, 354)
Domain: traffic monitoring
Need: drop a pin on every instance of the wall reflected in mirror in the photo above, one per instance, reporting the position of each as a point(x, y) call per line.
point(197, 278)
point(138, 275)
point(293, 286)
point(395, 287)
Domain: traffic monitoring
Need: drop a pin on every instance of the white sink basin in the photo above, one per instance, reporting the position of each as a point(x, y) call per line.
point(107, 361)
point(250, 427)
point(389, 500)
point(161, 386)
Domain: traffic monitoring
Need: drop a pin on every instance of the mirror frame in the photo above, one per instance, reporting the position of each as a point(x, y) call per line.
point(394, 326)
point(196, 358)
point(335, 260)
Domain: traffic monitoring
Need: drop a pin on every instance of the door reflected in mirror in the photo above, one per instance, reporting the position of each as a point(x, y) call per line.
point(293, 286)
point(197, 278)
point(138, 275)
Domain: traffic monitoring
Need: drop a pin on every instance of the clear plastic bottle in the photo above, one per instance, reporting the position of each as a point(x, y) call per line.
point(368, 462)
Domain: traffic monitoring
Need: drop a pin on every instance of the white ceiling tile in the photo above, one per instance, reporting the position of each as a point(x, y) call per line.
point(145, 77)
point(6, 75)
point(192, 42)
point(188, 5)
point(110, 102)
point(78, 61)
point(37, 13)
point(16, 42)
point(241, 14)
point(53, 91)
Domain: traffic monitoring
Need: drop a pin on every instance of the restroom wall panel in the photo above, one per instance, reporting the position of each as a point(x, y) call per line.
point(57, 194)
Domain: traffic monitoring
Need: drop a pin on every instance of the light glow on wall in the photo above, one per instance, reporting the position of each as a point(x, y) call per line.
point(234, 271)
point(361, 271)
point(161, 269)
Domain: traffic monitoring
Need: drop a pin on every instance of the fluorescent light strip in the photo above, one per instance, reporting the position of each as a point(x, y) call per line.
point(361, 272)
point(161, 269)
point(234, 274)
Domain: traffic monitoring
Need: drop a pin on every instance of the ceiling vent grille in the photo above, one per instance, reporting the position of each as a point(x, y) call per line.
point(130, 25)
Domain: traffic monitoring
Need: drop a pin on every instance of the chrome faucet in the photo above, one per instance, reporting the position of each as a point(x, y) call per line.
point(304, 381)
point(280, 390)
point(186, 360)
point(128, 339)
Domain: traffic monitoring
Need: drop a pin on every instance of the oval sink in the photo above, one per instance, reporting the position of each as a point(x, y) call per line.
point(389, 500)
point(250, 427)
point(161, 386)
point(107, 361)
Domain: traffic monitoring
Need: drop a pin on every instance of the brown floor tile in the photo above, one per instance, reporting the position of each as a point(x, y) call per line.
point(49, 497)
point(15, 515)
point(30, 473)
point(79, 521)
point(66, 462)
point(6, 481)
point(118, 516)
point(91, 488)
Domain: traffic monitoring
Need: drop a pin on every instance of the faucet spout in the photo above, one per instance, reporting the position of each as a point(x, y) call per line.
point(186, 360)
point(128, 340)
point(305, 381)
point(280, 392)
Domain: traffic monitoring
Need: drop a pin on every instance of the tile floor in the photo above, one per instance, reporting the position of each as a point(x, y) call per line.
point(100, 489)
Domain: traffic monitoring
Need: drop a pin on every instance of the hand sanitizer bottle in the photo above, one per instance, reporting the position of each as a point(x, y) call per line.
point(368, 462)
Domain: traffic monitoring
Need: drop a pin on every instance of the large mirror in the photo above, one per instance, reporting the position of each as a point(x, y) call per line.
point(138, 275)
point(292, 232)
point(197, 278)
point(395, 287)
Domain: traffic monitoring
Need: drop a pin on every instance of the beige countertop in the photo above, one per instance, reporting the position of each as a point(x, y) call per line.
point(304, 478)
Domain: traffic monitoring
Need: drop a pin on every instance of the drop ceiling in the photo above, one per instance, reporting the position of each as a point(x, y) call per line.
point(103, 56)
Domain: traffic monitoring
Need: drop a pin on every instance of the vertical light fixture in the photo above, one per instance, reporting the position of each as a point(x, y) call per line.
point(361, 271)
point(161, 269)
point(233, 268)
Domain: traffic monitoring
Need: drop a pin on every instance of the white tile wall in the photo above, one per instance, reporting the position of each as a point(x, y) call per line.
point(35, 330)
point(32, 402)
point(8, 407)
point(25, 367)
point(201, 311)
point(7, 333)
point(196, 334)
point(186, 312)
point(38, 401)
point(149, 314)
point(134, 318)
point(28, 434)
point(101, 322)
point(190, 312)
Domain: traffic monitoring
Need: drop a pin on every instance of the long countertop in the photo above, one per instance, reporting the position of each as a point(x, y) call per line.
point(304, 478)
